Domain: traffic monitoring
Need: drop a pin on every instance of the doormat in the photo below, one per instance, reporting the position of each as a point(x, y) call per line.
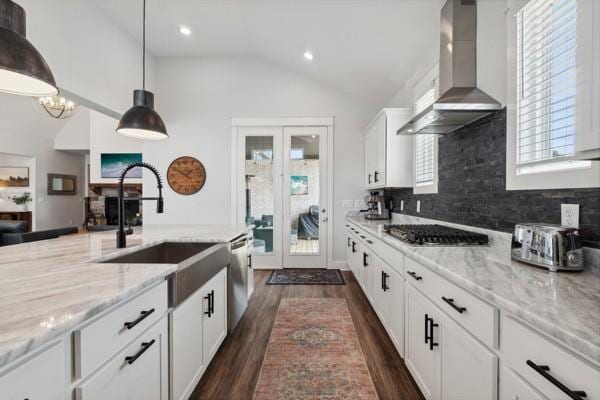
point(314, 353)
point(306, 276)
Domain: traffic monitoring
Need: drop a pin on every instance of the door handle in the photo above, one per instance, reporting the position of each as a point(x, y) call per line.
point(376, 176)
point(369, 178)
point(365, 263)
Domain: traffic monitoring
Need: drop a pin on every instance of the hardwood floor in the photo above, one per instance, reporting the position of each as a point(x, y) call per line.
point(233, 373)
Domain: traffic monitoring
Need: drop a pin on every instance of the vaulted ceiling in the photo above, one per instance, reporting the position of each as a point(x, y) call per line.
point(364, 48)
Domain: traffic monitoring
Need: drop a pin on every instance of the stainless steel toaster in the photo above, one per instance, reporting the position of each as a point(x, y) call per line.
point(550, 246)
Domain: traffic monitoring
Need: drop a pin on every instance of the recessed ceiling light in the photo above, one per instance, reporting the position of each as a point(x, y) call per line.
point(185, 31)
point(308, 55)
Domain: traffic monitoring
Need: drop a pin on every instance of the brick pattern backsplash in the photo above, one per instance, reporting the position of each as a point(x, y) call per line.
point(472, 187)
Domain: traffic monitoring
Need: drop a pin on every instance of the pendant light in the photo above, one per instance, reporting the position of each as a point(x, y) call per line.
point(141, 121)
point(23, 70)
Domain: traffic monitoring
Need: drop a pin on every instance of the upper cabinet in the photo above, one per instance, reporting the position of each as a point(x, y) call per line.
point(388, 156)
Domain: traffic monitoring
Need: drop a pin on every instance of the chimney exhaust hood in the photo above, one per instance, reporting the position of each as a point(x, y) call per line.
point(461, 101)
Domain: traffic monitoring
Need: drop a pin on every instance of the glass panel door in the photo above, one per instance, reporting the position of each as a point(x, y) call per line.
point(304, 197)
point(262, 192)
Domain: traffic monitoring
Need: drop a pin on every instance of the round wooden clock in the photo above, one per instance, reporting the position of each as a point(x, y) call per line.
point(186, 175)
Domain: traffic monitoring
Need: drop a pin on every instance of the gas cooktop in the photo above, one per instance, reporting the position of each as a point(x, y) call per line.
point(435, 235)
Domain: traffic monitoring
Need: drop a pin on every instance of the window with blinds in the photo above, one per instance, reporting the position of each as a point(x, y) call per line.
point(424, 145)
point(546, 82)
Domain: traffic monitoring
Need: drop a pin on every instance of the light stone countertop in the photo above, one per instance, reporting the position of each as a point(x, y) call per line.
point(49, 287)
point(563, 305)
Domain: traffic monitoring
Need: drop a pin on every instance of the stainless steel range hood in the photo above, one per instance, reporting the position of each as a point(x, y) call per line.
point(461, 102)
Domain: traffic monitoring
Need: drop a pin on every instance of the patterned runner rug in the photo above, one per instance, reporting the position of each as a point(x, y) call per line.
point(306, 276)
point(314, 353)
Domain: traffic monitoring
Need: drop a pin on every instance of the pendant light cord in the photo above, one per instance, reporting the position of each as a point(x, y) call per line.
point(144, 46)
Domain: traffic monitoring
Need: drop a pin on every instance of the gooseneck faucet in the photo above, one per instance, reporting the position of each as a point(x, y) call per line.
point(121, 234)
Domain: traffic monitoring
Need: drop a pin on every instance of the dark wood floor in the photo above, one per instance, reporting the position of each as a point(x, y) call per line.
point(234, 371)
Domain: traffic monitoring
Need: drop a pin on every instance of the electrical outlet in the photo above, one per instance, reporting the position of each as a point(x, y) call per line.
point(569, 215)
point(418, 206)
point(401, 205)
point(347, 203)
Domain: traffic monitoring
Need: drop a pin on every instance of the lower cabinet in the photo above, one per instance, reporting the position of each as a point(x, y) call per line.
point(198, 327)
point(445, 360)
point(42, 377)
point(512, 387)
point(138, 372)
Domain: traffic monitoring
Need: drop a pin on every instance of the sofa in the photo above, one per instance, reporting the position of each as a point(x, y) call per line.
point(15, 232)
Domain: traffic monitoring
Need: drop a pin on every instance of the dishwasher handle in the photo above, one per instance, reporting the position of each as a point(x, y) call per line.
point(239, 242)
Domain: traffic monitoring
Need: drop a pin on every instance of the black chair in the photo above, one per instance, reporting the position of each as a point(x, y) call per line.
point(15, 232)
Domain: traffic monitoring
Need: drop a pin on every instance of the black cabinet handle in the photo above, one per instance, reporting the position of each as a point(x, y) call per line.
point(369, 178)
point(139, 319)
point(211, 303)
point(250, 261)
point(370, 242)
point(432, 325)
point(145, 346)
point(348, 242)
point(365, 263)
point(543, 371)
point(353, 246)
point(414, 275)
point(385, 286)
point(381, 280)
point(426, 330)
point(376, 176)
point(363, 237)
point(451, 303)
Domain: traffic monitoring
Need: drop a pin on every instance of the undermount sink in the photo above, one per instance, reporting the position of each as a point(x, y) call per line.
point(197, 263)
point(163, 253)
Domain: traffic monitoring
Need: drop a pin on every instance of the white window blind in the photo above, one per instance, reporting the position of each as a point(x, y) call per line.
point(424, 145)
point(546, 81)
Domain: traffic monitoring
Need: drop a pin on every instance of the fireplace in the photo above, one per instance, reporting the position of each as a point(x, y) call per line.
point(111, 209)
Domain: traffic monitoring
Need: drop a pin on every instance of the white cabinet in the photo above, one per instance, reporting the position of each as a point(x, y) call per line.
point(198, 327)
point(138, 372)
point(395, 318)
point(215, 314)
point(42, 377)
point(512, 387)
point(445, 360)
point(388, 157)
point(422, 357)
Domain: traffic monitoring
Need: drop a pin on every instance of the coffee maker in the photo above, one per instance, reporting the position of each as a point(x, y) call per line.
point(376, 207)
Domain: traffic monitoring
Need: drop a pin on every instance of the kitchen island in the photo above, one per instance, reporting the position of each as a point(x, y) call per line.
point(49, 288)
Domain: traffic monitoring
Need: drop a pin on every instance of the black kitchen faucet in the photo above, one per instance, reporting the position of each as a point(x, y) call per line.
point(121, 233)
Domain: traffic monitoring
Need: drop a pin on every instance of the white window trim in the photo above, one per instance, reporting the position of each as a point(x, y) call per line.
point(429, 187)
point(561, 179)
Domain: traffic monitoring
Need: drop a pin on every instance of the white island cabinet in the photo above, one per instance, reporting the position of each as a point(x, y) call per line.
point(198, 327)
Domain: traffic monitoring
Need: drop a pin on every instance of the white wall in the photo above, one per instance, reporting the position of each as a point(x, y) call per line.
point(88, 54)
point(103, 139)
point(75, 135)
point(197, 97)
point(28, 131)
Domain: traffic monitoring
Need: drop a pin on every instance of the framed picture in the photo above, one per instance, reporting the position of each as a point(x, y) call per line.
point(299, 185)
point(14, 176)
point(62, 184)
point(112, 164)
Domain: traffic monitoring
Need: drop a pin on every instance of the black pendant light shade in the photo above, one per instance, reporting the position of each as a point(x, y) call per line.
point(141, 121)
point(23, 70)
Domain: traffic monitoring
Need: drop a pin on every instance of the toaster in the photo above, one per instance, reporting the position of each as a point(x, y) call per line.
point(550, 246)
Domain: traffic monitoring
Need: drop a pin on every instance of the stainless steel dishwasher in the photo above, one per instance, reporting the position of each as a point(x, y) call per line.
point(239, 270)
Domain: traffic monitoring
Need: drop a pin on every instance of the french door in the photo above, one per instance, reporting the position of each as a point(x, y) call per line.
point(282, 194)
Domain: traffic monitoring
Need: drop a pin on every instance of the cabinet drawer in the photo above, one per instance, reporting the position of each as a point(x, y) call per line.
point(138, 372)
point(474, 314)
point(394, 258)
point(42, 377)
point(540, 362)
point(98, 341)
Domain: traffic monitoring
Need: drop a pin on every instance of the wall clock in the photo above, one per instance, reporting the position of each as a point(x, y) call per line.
point(186, 175)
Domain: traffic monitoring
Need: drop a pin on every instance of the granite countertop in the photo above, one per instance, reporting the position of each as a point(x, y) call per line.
point(49, 287)
point(563, 305)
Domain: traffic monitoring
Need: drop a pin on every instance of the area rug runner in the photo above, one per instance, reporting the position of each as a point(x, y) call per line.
point(314, 353)
point(306, 276)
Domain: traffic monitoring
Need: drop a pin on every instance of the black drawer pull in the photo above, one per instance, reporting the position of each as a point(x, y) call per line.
point(363, 237)
point(139, 319)
point(426, 330)
point(543, 371)
point(145, 346)
point(370, 242)
point(365, 263)
point(414, 275)
point(211, 303)
point(353, 246)
point(376, 176)
point(348, 242)
point(250, 261)
point(450, 302)
point(369, 178)
point(385, 286)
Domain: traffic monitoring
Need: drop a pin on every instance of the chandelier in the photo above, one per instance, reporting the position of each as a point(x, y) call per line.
point(57, 106)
